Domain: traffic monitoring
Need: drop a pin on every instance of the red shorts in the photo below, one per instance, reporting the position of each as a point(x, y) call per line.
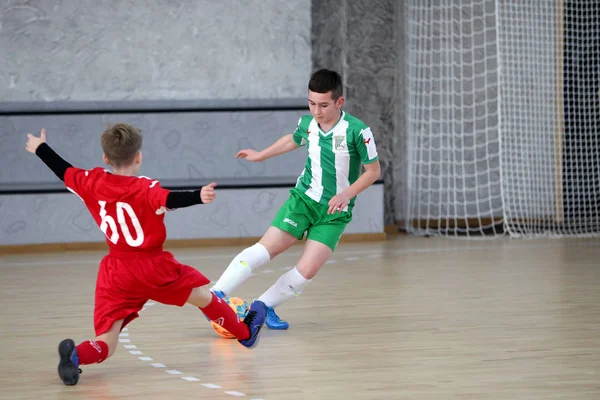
point(126, 282)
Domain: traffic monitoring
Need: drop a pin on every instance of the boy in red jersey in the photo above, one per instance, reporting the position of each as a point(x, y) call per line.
point(130, 212)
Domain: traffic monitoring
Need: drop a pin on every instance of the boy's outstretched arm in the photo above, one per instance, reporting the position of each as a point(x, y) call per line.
point(284, 144)
point(180, 199)
point(39, 147)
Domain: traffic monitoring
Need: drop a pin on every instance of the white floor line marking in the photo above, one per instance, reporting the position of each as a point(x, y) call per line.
point(130, 346)
point(211, 386)
point(125, 329)
point(150, 303)
point(330, 261)
point(124, 340)
point(123, 334)
point(174, 372)
point(234, 393)
point(351, 258)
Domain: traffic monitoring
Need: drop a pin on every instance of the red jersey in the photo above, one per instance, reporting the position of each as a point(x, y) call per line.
point(129, 210)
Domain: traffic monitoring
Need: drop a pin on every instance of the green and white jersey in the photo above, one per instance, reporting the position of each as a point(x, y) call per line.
point(334, 157)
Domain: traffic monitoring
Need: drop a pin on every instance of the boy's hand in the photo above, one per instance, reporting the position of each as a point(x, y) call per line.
point(34, 142)
point(250, 155)
point(207, 193)
point(338, 203)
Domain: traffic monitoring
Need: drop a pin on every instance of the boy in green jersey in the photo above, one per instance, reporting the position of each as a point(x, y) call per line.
point(320, 205)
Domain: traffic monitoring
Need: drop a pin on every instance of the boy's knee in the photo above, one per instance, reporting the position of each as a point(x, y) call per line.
point(200, 296)
point(276, 241)
point(307, 270)
point(202, 291)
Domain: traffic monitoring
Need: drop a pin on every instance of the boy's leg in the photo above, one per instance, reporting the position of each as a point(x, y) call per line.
point(322, 239)
point(111, 338)
point(219, 311)
point(184, 284)
point(87, 352)
point(292, 283)
point(274, 242)
point(288, 226)
point(216, 309)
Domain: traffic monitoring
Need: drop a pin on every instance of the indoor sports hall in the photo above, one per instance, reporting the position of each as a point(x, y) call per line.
point(469, 269)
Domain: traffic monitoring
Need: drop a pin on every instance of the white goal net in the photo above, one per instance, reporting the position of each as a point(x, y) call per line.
point(503, 117)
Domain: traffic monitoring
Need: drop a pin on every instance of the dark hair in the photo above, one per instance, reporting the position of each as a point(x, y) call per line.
point(325, 80)
point(120, 143)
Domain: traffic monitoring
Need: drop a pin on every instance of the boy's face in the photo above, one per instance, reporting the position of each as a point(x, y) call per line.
point(324, 108)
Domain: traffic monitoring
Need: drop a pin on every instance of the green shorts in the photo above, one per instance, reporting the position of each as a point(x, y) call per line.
point(300, 214)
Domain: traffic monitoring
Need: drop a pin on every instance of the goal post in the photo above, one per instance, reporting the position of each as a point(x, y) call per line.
point(503, 117)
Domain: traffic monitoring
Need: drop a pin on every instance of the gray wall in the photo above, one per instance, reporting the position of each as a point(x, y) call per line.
point(153, 49)
point(363, 40)
point(63, 218)
point(134, 51)
point(424, 75)
point(177, 146)
point(199, 50)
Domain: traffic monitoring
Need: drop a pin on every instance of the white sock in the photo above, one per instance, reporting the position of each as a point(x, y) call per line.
point(241, 268)
point(288, 286)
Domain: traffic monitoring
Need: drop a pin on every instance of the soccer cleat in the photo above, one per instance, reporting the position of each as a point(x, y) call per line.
point(274, 322)
point(68, 367)
point(255, 320)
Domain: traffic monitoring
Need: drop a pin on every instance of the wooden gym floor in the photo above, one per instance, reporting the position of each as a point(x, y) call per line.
point(408, 318)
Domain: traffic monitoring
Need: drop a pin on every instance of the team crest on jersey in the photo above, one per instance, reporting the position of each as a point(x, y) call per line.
point(339, 143)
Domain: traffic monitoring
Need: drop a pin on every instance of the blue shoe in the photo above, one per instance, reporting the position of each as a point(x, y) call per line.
point(255, 320)
point(68, 367)
point(274, 322)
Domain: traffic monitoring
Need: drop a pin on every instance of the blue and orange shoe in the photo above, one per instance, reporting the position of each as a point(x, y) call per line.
point(274, 322)
point(68, 367)
point(255, 320)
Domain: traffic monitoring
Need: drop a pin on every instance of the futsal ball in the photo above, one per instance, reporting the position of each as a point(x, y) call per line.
point(241, 309)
